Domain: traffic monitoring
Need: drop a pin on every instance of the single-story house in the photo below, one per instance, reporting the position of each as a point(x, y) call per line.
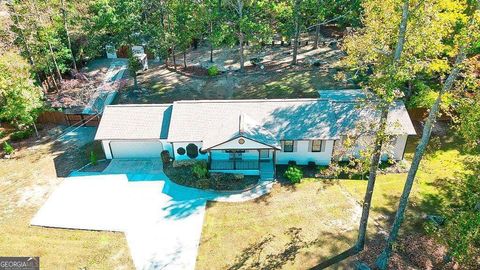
point(246, 136)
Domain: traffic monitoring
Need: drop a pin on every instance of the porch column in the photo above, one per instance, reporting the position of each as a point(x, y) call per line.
point(258, 159)
point(209, 164)
point(274, 161)
point(234, 159)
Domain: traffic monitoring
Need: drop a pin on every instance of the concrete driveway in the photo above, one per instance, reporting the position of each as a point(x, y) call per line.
point(162, 221)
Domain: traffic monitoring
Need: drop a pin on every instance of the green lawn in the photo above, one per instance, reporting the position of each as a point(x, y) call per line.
point(298, 227)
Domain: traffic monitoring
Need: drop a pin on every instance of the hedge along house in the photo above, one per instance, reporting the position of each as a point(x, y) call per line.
point(244, 136)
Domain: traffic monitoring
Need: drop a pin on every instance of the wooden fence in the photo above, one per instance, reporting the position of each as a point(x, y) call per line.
point(61, 118)
point(420, 114)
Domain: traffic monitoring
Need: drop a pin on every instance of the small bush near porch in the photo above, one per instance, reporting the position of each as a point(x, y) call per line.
point(192, 175)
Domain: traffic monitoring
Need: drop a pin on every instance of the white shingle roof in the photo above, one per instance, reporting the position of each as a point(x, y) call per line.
point(268, 121)
point(215, 121)
point(134, 122)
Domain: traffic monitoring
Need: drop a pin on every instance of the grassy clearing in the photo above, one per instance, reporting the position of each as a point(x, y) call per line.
point(26, 181)
point(238, 236)
point(292, 227)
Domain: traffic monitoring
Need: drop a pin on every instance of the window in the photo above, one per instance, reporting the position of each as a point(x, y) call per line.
point(287, 146)
point(318, 146)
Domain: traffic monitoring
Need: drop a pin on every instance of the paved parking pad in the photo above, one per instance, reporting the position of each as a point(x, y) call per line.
point(162, 221)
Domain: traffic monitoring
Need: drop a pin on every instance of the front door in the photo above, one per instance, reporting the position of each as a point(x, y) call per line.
point(264, 154)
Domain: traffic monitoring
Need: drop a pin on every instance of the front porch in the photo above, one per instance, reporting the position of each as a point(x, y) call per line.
point(248, 162)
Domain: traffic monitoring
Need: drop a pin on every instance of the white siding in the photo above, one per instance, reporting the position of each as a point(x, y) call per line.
point(248, 144)
point(302, 154)
point(177, 145)
point(399, 147)
point(395, 151)
point(106, 149)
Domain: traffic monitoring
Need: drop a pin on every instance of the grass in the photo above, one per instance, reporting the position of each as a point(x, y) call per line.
point(26, 181)
point(286, 228)
point(324, 215)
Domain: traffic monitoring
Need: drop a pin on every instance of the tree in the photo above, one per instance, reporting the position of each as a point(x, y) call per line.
point(467, 97)
point(20, 99)
point(212, 12)
point(385, 85)
point(250, 21)
point(465, 43)
point(134, 65)
point(374, 52)
point(296, 37)
point(67, 34)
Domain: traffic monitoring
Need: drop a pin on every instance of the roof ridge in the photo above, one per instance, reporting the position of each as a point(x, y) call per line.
point(248, 100)
point(140, 105)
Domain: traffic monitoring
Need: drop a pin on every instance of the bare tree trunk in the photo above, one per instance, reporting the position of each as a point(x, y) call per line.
point(135, 81)
point(25, 44)
point(297, 31)
point(184, 58)
point(36, 130)
point(382, 260)
point(166, 59)
point(64, 13)
point(211, 53)
point(173, 59)
point(380, 138)
point(211, 43)
point(317, 35)
point(372, 176)
point(241, 36)
point(242, 60)
point(57, 69)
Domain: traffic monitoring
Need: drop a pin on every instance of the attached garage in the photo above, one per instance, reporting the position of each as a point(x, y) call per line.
point(134, 131)
point(136, 149)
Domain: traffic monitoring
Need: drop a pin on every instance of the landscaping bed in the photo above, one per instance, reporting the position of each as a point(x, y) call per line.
point(341, 170)
point(184, 175)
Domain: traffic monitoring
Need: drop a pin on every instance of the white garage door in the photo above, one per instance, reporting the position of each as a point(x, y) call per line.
point(136, 149)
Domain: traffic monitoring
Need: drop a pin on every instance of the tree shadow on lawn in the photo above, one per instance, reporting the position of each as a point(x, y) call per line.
point(257, 256)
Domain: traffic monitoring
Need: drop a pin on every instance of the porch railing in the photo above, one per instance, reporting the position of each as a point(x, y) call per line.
point(234, 165)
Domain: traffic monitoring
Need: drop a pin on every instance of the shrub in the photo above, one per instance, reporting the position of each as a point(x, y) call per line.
point(213, 71)
point(293, 174)
point(200, 170)
point(165, 156)
point(192, 150)
point(2, 134)
point(93, 158)
point(181, 151)
point(7, 148)
point(183, 163)
point(21, 134)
